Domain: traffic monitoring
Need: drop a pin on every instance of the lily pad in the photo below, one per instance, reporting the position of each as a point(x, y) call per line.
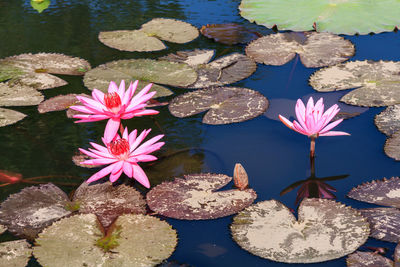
point(144, 70)
point(315, 49)
point(60, 102)
point(108, 201)
point(335, 16)
point(223, 104)
point(388, 121)
point(26, 213)
point(2, 229)
point(368, 259)
point(19, 95)
point(229, 33)
point(377, 82)
point(325, 230)
point(392, 146)
point(15, 253)
point(141, 241)
point(195, 197)
point(384, 223)
point(80, 157)
point(131, 41)
point(34, 69)
point(8, 116)
point(193, 58)
point(171, 30)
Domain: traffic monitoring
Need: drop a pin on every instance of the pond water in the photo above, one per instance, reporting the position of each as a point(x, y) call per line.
point(273, 155)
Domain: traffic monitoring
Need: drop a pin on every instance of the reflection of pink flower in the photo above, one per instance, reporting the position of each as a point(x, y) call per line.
point(117, 104)
point(315, 188)
point(313, 122)
point(123, 155)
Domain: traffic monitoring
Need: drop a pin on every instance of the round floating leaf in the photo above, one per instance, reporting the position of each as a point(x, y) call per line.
point(29, 211)
point(193, 58)
point(2, 229)
point(388, 121)
point(325, 230)
point(33, 69)
point(224, 104)
point(384, 192)
point(368, 259)
point(145, 70)
point(384, 223)
point(392, 146)
point(19, 95)
point(8, 116)
point(229, 33)
point(108, 201)
point(337, 16)
point(194, 197)
point(171, 30)
point(315, 49)
point(60, 102)
point(131, 41)
point(15, 253)
point(377, 83)
point(140, 241)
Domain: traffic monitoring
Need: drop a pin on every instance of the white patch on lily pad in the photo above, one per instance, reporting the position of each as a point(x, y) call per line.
point(15, 253)
point(388, 121)
point(325, 230)
point(9, 116)
point(19, 95)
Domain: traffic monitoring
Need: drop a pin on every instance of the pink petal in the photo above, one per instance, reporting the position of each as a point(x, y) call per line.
point(121, 90)
point(128, 170)
point(93, 104)
point(142, 148)
point(117, 171)
point(89, 118)
point(330, 126)
point(139, 139)
point(98, 96)
point(102, 154)
point(125, 134)
point(99, 147)
point(286, 121)
point(297, 127)
point(111, 129)
point(132, 137)
point(145, 158)
point(99, 161)
point(150, 149)
point(129, 93)
point(112, 87)
point(300, 110)
point(83, 109)
point(334, 133)
point(140, 176)
point(100, 174)
point(90, 154)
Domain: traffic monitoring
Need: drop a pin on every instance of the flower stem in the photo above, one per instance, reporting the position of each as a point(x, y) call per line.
point(312, 147)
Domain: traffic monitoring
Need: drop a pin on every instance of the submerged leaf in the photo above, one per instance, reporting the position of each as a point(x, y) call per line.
point(60, 102)
point(325, 230)
point(315, 49)
point(194, 197)
point(80, 157)
point(229, 33)
point(368, 259)
point(9, 116)
point(388, 121)
point(19, 95)
point(224, 104)
point(135, 40)
point(193, 58)
point(15, 253)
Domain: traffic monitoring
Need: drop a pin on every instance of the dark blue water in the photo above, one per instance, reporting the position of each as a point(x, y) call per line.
point(273, 155)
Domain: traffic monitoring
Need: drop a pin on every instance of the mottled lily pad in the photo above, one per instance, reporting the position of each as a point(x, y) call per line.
point(19, 95)
point(135, 40)
point(140, 241)
point(26, 213)
point(384, 223)
point(325, 230)
point(15, 253)
point(193, 58)
point(229, 33)
point(335, 16)
point(392, 146)
point(2, 229)
point(315, 49)
point(108, 201)
point(80, 157)
point(194, 197)
point(33, 69)
point(368, 259)
point(144, 70)
point(223, 104)
point(8, 116)
point(60, 102)
point(377, 82)
point(388, 121)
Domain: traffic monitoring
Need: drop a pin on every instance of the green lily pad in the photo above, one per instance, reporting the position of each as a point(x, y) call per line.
point(39, 6)
point(325, 230)
point(171, 30)
point(229, 33)
point(388, 121)
point(35, 69)
point(19, 95)
point(315, 49)
point(9, 116)
point(141, 241)
point(131, 41)
point(194, 197)
point(368, 259)
point(223, 104)
point(335, 16)
point(392, 146)
point(15, 253)
point(377, 82)
point(144, 70)
point(193, 58)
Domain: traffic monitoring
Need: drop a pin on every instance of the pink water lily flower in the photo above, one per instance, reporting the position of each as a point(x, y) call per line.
point(115, 105)
point(123, 155)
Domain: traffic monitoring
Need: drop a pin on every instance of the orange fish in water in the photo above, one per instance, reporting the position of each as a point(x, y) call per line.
point(10, 177)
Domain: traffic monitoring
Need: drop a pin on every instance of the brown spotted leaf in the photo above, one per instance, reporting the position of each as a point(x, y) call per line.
point(384, 223)
point(60, 102)
point(223, 104)
point(315, 49)
point(325, 230)
point(195, 197)
point(368, 259)
point(9, 116)
point(26, 213)
point(108, 201)
point(388, 121)
point(229, 33)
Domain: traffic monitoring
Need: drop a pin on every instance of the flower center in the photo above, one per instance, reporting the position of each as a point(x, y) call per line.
point(113, 102)
point(119, 148)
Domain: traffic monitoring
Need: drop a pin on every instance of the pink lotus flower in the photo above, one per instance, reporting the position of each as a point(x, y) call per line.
point(123, 155)
point(117, 104)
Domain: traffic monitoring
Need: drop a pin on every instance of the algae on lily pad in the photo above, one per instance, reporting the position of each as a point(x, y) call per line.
point(195, 197)
point(325, 230)
point(19, 95)
point(223, 104)
point(35, 70)
point(145, 70)
point(315, 49)
point(377, 82)
point(108, 201)
point(26, 213)
point(229, 33)
point(135, 240)
point(9, 116)
point(334, 16)
point(15, 253)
